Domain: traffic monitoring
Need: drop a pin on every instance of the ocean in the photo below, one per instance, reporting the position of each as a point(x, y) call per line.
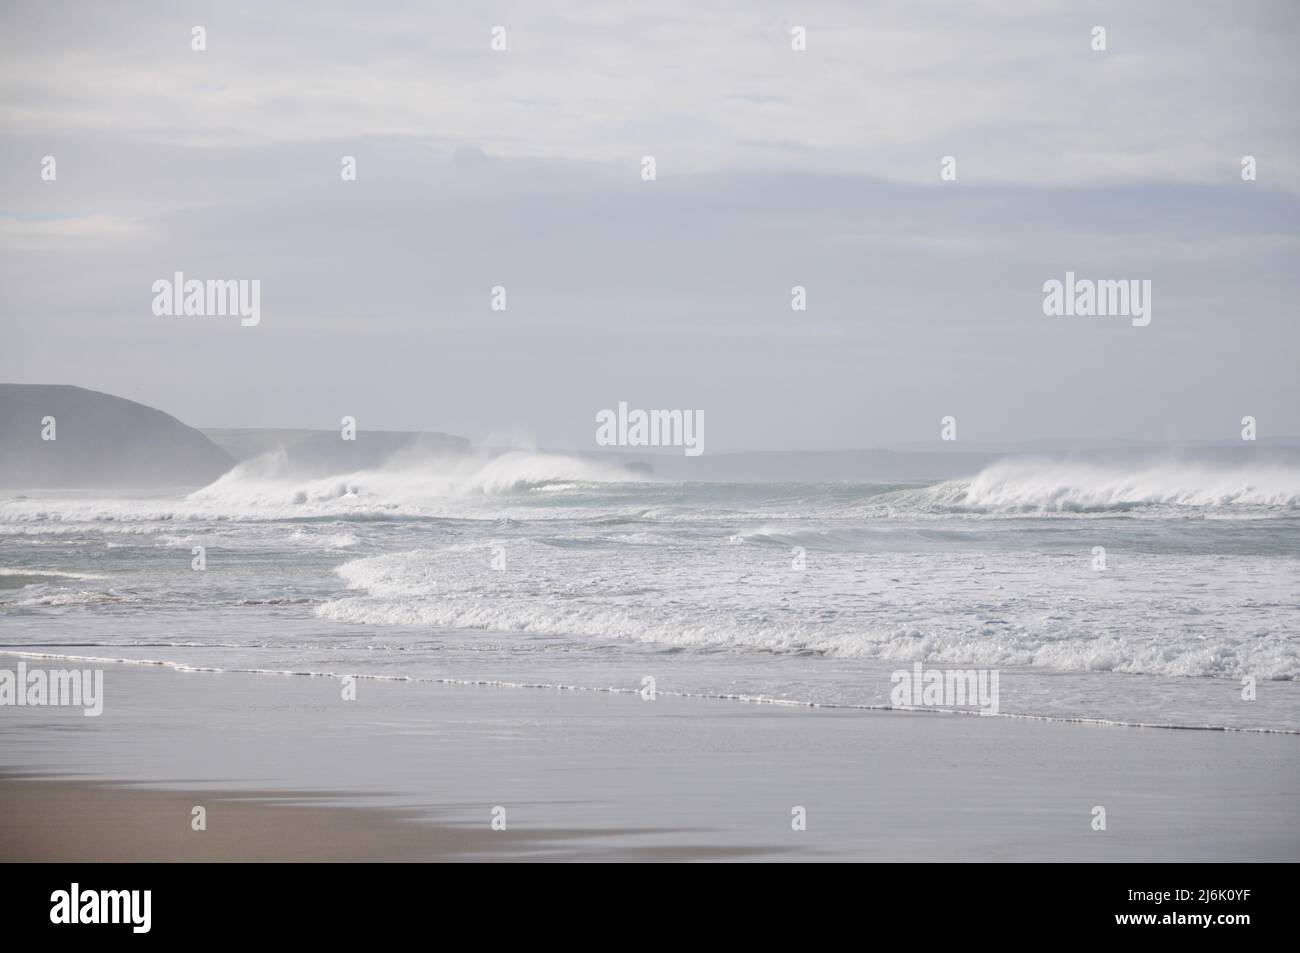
point(1154, 594)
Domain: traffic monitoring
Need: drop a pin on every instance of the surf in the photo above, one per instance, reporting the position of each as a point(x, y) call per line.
point(1029, 485)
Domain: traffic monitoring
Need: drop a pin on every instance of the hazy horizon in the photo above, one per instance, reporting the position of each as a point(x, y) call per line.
point(1041, 443)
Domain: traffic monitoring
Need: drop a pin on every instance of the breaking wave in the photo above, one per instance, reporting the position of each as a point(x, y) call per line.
point(747, 598)
point(269, 480)
point(1034, 485)
point(269, 488)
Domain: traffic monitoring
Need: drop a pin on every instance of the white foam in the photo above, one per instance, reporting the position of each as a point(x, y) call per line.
point(270, 482)
point(51, 573)
point(268, 488)
point(1027, 485)
point(989, 609)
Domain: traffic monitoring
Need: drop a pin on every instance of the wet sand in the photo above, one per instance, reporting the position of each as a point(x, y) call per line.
point(287, 770)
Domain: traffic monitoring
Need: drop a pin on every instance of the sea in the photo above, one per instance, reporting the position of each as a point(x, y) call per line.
point(1158, 594)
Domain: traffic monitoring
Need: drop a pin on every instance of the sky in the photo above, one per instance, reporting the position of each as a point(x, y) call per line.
point(775, 168)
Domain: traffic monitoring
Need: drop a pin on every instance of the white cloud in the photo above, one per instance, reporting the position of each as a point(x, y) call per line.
point(1013, 90)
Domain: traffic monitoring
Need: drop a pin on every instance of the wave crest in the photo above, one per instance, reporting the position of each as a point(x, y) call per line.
point(405, 480)
point(1029, 485)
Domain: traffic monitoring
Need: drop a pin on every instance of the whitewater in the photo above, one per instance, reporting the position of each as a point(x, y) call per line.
point(528, 568)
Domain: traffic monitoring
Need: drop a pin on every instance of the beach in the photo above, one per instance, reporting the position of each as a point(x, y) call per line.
point(287, 770)
point(529, 657)
point(690, 434)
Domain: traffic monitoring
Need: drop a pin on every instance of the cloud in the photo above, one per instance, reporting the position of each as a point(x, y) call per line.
point(883, 90)
point(776, 168)
point(63, 234)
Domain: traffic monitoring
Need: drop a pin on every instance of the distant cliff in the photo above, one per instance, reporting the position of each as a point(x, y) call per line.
point(100, 441)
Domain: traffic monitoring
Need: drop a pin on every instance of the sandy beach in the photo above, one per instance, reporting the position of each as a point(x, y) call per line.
point(287, 770)
point(676, 432)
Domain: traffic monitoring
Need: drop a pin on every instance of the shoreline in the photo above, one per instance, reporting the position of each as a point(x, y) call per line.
point(415, 771)
point(742, 698)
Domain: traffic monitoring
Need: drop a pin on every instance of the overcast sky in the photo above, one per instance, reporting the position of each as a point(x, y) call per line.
point(776, 168)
